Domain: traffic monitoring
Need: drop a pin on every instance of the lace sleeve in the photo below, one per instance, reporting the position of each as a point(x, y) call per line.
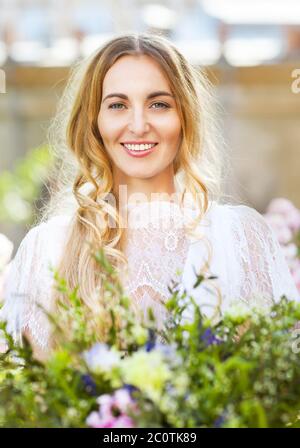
point(263, 275)
point(29, 283)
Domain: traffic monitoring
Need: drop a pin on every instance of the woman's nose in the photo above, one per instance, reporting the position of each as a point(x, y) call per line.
point(138, 123)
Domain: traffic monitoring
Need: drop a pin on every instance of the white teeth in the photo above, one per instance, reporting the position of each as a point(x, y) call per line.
point(139, 147)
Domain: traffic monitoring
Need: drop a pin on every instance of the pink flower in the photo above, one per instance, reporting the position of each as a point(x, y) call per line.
point(123, 422)
point(106, 403)
point(280, 206)
point(112, 411)
point(295, 270)
point(94, 420)
point(290, 251)
point(280, 226)
point(285, 208)
point(123, 399)
point(284, 218)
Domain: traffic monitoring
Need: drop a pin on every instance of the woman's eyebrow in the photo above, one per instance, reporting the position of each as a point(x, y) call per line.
point(151, 95)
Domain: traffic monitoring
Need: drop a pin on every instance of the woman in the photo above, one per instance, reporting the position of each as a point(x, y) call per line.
point(140, 126)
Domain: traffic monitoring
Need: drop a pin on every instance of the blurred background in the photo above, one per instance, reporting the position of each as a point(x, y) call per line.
point(250, 49)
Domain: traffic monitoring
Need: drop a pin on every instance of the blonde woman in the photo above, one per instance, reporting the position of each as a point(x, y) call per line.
point(140, 176)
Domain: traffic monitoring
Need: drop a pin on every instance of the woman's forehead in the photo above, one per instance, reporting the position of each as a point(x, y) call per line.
point(132, 71)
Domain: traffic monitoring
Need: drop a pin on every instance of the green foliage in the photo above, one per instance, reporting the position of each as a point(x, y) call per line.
point(21, 187)
point(205, 375)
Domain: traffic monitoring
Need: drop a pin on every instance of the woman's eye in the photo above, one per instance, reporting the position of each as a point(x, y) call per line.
point(165, 106)
point(115, 104)
point(162, 104)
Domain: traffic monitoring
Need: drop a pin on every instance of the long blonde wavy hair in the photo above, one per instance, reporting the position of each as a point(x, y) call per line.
point(82, 176)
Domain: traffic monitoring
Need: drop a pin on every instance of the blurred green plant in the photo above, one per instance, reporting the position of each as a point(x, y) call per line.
point(243, 371)
point(20, 187)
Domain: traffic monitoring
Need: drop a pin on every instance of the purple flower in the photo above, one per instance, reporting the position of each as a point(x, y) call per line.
point(219, 421)
point(209, 338)
point(89, 385)
point(130, 388)
point(150, 344)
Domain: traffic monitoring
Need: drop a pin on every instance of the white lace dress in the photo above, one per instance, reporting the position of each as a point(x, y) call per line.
point(245, 256)
point(156, 249)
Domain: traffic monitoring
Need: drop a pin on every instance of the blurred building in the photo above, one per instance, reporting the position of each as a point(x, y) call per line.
point(249, 48)
point(244, 32)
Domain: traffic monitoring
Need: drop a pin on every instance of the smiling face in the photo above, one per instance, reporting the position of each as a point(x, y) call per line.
point(132, 111)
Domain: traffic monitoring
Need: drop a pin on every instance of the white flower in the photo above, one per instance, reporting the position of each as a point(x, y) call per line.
point(238, 309)
point(6, 249)
point(100, 358)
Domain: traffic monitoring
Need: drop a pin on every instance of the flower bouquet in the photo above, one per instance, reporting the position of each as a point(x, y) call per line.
point(108, 370)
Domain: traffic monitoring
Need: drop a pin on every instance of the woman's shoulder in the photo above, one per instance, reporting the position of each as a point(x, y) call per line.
point(54, 222)
point(44, 240)
point(238, 221)
point(236, 212)
point(244, 225)
point(52, 226)
point(231, 206)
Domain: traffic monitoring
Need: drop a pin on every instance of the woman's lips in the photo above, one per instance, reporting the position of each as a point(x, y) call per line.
point(144, 153)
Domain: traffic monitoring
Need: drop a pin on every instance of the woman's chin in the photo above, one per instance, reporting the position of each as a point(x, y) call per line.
point(140, 173)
